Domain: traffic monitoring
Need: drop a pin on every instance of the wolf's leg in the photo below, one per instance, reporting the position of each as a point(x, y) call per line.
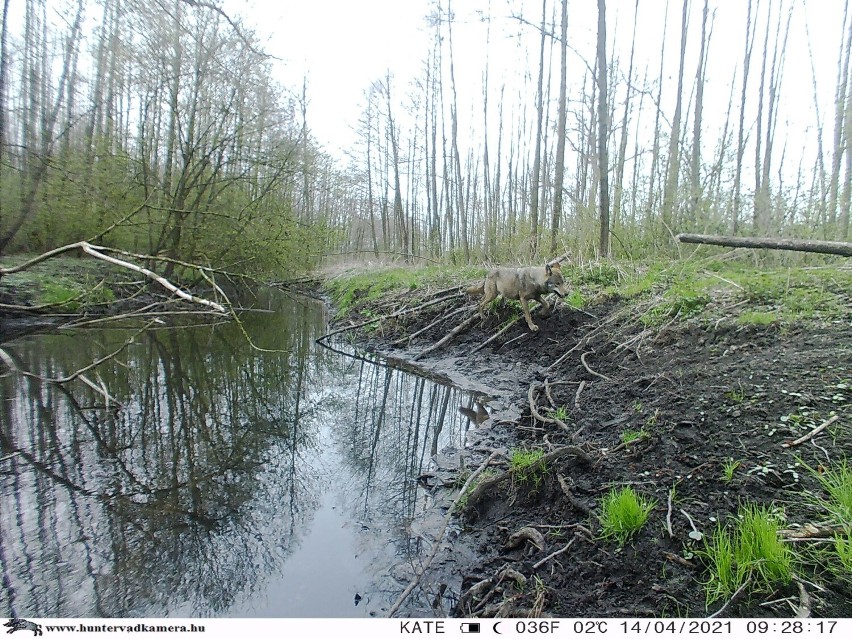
point(489, 295)
point(526, 307)
point(546, 308)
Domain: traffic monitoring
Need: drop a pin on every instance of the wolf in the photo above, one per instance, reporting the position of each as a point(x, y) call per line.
point(22, 624)
point(524, 284)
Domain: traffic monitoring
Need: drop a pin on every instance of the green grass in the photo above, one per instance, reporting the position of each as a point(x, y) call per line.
point(836, 482)
point(57, 293)
point(686, 289)
point(622, 514)
point(560, 413)
point(843, 552)
point(706, 289)
point(757, 318)
point(631, 436)
point(752, 552)
point(356, 287)
point(729, 468)
point(527, 466)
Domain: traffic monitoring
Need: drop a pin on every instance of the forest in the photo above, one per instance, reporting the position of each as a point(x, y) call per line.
point(184, 141)
point(158, 127)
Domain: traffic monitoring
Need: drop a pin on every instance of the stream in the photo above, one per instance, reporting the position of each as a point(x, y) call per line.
point(200, 474)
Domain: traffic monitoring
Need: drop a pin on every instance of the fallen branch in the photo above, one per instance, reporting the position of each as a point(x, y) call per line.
point(448, 338)
point(381, 318)
point(806, 246)
point(669, 515)
point(552, 555)
point(442, 318)
point(509, 325)
point(418, 575)
point(810, 532)
point(813, 433)
point(97, 252)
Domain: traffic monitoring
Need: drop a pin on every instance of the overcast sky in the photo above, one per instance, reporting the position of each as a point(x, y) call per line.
point(344, 45)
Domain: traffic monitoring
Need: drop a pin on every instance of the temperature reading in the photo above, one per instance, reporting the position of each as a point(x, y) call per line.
point(536, 627)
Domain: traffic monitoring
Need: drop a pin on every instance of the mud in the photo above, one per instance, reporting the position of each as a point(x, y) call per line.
point(702, 393)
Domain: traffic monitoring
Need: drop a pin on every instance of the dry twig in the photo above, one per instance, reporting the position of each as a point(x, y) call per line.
point(813, 433)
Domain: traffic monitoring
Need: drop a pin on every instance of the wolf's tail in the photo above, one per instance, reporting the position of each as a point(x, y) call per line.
point(479, 289)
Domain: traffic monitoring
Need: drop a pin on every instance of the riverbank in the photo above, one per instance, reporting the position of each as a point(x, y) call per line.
point(713, 390)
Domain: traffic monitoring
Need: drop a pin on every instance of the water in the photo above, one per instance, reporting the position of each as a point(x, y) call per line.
point(198, 474)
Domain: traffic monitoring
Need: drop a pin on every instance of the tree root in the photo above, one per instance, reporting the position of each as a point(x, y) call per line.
point(422, 570)
point(482, 592)
point(484, 486)
point(519, 538)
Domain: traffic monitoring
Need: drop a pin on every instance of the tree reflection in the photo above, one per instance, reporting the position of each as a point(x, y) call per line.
point(193, 494)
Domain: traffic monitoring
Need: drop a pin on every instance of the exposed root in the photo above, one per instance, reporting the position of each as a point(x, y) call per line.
point(589, 369)
point(482, 591)
point(569, 495)
point(527, 533)
point(531, 396)
point(484, 486)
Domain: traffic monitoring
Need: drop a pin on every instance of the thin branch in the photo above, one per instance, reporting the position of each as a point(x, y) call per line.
point(813, 433)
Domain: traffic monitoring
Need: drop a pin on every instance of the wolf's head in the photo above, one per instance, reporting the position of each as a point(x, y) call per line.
point(555, 283)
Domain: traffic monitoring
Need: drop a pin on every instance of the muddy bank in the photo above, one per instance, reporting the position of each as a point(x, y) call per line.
point(698, 416)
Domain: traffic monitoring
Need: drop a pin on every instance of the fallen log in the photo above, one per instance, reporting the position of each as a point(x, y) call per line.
point(806, 246)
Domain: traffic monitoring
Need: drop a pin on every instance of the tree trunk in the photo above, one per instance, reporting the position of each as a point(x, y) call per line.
point(603, 131)
point(807, 246)
point(562, 117)
point(536, 168)
point(670, 195)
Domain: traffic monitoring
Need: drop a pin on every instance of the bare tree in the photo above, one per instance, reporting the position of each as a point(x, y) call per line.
point(603, 131)
point(673, 172)
point(536, 168)
point(749, 43)
point(695, 161)
point(562, 116)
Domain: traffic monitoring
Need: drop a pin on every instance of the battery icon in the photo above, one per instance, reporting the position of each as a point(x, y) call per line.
point(470, 627)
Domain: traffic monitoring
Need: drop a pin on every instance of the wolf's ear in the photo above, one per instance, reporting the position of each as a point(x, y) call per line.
point(548, 269)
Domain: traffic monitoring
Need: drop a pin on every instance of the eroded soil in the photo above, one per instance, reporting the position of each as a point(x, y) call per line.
point(701, 393)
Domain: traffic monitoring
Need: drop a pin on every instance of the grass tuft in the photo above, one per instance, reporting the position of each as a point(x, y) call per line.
point(622, 513)
point(752, 553)
point(527, 466)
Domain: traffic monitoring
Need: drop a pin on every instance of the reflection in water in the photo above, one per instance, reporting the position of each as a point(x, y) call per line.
point(231, 481)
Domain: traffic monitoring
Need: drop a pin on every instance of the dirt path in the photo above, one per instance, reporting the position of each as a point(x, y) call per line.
point(701, 400)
